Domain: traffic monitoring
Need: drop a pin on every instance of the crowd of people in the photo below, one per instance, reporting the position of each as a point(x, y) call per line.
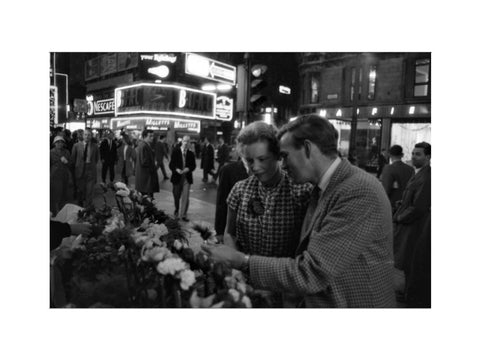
point(298, 219)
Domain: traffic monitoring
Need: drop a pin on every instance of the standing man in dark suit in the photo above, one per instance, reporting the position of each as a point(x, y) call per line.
point(395, 176)
point(161, 153)
point(182, 165)
point(208, 161)
point(413, 214)
point(126, 158)
point(146, 180)
point(223, 156)
point(90, 157)
point(344, 258)
point(108, 156)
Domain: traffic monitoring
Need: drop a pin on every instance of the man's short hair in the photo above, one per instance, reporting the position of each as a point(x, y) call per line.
point(396, 151)
point(162, 136)
point(145, 132)
point(260, 131)
point(314, 128)
point(427, 148)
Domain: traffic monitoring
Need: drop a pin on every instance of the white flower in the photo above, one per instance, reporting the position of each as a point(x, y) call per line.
point(187, 279)
point(127, 200)
point(235, 294)
point(177, 245)
point(123, 192)
point(121, 249)
point(246, 301)
point(152, 253)
point(158, 230)
point(171, 266)
point(120, 185)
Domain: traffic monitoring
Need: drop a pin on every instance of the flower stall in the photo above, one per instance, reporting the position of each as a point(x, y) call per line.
point(139, 257)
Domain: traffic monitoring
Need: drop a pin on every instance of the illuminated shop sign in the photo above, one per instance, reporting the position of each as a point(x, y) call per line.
point(284, 89)
point(224, 108)
point(53, 105)
point(210, 69)
point(104, 106)
point(157, 123)
point(160, 58)
point(100, 106)
point(164, 99)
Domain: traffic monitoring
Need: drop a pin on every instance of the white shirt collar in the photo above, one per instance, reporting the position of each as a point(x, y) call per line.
point(328, 174)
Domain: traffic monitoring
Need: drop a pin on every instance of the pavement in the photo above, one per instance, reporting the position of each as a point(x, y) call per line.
point(202, 195)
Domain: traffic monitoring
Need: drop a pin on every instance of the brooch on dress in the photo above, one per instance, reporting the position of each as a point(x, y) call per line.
point(255, 207)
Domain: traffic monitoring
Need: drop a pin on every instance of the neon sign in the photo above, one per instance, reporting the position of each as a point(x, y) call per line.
point(210, 69)
point(167, 99)
point(160, 58)
point(224, 108)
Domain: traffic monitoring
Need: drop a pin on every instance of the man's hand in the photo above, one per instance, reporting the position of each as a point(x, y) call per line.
point(222, 253)
point(186, 170)
point(81, 228)
point(179, 171)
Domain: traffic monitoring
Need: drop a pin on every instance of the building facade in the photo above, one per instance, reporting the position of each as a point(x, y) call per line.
point(374, 100)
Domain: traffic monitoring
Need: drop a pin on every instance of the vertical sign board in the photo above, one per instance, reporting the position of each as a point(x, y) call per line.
point(53, 105)
point(62, 101)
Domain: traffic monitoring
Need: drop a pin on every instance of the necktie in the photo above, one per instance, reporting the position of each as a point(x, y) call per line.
point(312, 206)
point(85, 152)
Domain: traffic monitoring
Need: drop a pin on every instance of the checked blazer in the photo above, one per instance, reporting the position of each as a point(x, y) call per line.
point(345, 255)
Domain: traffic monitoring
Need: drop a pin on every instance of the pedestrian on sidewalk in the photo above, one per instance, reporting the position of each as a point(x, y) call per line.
point(126, 158)
point(146, 179)
point(182, 164)
point(59, 174)
point(108, 155)
point(223, 156)
point(161, 153)
point(91, 155)
point(208, 160)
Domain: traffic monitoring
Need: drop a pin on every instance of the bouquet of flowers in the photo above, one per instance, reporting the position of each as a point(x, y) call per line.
point(139, 256)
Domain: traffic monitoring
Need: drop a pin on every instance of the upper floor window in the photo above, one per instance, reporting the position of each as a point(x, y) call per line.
point(314, 88)
point(372, 76)
point(422, 78)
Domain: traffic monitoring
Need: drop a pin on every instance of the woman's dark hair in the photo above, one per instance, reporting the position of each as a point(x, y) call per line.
point(260, 131)
point(316, 129)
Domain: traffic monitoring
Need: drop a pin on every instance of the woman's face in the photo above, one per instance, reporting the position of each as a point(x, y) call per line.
point(59, 145)
point(261, 162)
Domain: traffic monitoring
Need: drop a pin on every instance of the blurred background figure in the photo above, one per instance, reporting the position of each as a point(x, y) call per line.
point(126, 158)
point(208, 160)
point(146, 179)
point(161, 153)
point(411, 223)
point(59, 174)
point(108, 156)
point(395, 176)
point(223, 155)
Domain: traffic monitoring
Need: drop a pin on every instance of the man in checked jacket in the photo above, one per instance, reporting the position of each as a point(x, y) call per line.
point(345, 255)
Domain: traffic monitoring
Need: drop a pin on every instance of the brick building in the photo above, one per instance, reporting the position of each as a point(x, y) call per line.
point(374, 100)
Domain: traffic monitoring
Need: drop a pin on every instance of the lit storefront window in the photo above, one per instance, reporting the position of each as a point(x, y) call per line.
point(343, 128)
point(409, 134)
point(422, 78)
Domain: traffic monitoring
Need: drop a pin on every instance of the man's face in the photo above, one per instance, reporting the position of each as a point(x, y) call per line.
point(185, 141)
point(419, 159)
point(80, 135)
point(110, 135)
point(149, 138)
point(294, 161)
point(88, 135)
